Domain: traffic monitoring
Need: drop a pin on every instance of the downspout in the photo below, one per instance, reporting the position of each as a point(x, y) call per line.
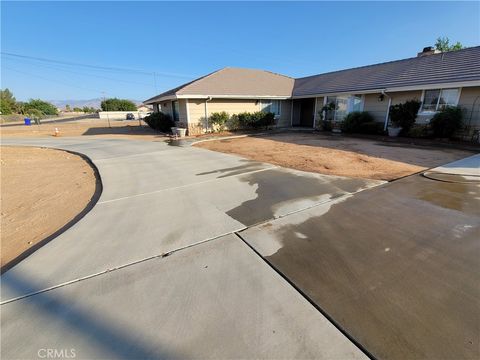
point(388, 109)
point(206, 112)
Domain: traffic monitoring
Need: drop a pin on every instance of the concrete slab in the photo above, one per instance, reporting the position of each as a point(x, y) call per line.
point(216, 300)
point(467, 166)
point(395, 266)
point(167, 199)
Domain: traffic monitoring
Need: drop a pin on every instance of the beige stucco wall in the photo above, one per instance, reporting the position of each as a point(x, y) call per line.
point(378, 109)
point(471, 107)
point(196, 108)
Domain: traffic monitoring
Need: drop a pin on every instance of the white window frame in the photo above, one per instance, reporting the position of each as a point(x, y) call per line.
point(349, 104)
point(264, 103)
point(422, 99)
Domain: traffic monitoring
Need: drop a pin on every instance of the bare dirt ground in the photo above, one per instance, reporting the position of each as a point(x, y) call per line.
point(87, 127)
point(41, 191)
point(338, 155)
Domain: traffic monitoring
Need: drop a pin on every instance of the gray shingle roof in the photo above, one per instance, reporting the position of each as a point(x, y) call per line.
point(235, 82)
point(454, 66)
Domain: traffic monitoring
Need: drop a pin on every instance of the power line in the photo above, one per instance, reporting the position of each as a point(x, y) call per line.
point(47, 66)
point(51, 80)
point(106, 68)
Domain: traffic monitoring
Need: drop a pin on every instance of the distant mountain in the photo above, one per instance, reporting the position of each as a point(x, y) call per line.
point(95, 103)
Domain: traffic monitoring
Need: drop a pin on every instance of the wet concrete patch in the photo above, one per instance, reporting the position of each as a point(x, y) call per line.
point(395, 266)
point(278, 189)
point(249, 166)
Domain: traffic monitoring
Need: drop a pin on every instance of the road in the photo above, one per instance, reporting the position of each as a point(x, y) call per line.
point(157, 270)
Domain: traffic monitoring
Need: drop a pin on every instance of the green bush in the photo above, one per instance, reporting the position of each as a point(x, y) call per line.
point(233, 123)
point(354, 120)
point(219, 119)
point(418, 131)
point(447, 121)
point(326, 125)
point(404, 115)
point(371, 127)
point(255, 120)
point(160, 121)
point(115, 104)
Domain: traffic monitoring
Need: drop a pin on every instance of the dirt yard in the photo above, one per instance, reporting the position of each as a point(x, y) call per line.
point(338, 155)
point(87, 127)
point(42, 190)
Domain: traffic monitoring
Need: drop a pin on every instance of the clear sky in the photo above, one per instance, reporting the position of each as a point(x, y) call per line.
point(181, 41)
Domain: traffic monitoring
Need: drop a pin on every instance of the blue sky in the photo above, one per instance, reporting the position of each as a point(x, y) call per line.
point(183, 40)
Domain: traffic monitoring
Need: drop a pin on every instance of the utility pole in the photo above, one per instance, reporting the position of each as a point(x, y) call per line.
point(106, 109)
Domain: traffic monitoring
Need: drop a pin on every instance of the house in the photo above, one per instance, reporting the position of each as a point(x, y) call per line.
point(436, 79)
point(144, 108)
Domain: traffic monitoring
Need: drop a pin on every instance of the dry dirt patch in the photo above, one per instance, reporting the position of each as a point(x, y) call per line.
point(85, 127)
point(339, 155)
point(41, 191)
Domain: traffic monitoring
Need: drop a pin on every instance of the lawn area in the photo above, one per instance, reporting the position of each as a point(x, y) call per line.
point(42, 191)
point(338, 155)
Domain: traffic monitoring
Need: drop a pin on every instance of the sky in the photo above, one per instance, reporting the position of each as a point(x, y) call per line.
point(180, 41)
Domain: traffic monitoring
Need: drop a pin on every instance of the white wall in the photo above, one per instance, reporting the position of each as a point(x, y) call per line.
point(121, 115)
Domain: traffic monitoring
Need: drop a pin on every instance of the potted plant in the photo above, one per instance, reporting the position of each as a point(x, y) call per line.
point(402, 116)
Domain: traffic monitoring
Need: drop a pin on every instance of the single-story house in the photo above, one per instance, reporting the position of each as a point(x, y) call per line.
point(436, 79)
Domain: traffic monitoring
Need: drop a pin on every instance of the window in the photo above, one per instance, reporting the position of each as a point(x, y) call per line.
point(175, 110)
point(272, 106)
point(437, 99)
point(340, 106)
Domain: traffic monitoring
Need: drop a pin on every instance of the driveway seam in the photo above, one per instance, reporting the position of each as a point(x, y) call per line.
point(132, 263)
point(306, 297)
point(183, 186)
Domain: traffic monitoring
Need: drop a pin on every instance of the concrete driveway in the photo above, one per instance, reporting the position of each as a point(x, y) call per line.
point(156, 269)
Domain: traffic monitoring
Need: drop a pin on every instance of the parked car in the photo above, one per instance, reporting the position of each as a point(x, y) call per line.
point(130, 116)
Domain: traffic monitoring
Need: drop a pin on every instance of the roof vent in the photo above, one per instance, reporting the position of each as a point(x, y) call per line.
point(429, 50)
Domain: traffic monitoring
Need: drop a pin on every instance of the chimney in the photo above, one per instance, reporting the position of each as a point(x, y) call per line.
point(429, 50)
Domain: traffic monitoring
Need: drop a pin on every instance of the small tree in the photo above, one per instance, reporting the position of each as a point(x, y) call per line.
point(8, 104)
point(67, 108)
point(443, 45)
point(42, 106)
point(115, 104)
point(404, 115)
point(77, 109)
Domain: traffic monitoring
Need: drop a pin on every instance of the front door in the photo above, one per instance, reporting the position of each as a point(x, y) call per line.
point(307, 108)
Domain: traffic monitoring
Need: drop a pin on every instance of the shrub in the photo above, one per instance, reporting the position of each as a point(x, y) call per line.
point(354, 120)
point(264, 119)
point(447, 121)
point(254, 120)
point(404, 115)
point(233, 123)
point(219, 119)
point(418, 131)
point(160, 121)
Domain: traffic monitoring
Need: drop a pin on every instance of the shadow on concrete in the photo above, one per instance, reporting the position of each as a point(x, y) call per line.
point(67, 316)
point(133, 129)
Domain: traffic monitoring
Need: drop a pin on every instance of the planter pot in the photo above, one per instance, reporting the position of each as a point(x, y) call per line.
point(394, 131)
point(181, 132)
point(174, 130)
